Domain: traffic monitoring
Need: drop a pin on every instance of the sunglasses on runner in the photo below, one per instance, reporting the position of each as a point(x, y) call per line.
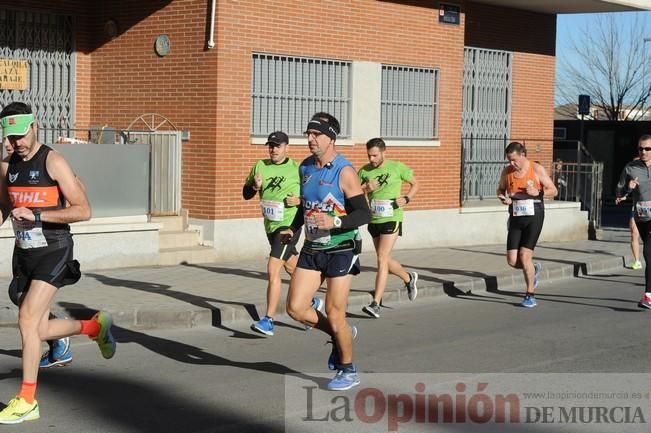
point(644, 149)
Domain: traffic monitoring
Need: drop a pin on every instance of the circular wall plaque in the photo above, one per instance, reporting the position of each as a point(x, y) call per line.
point(111, 29)
point(162, 45)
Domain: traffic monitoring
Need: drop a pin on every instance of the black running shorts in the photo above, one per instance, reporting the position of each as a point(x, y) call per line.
point(283, 247)
point(335, 264)
point(54, 266)
point(524, 231)
point(387, 228)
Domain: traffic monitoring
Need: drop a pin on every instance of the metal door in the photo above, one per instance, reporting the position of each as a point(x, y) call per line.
point(487, 83)
point(164, 169)
point(45, 41)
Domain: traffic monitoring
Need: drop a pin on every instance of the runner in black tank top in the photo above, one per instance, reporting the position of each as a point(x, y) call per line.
point(35, 185)
point(30, 185)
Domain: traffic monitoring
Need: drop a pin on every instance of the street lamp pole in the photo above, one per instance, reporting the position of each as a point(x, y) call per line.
point(644, 75)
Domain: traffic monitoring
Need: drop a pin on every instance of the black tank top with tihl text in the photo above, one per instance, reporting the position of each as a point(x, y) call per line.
point(31, 186)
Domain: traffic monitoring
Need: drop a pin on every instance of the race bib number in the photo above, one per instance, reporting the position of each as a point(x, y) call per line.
point(313, 233)
point(28, 234)
point(643, 209)
point(523, 208)
point(272, 210)
point(382, 208)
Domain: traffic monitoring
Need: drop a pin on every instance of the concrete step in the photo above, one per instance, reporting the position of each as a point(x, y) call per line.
point(178, 239)
point(170, 223)
point(191, 255)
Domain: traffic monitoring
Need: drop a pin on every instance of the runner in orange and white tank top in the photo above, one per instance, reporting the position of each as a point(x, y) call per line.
point(522, 186)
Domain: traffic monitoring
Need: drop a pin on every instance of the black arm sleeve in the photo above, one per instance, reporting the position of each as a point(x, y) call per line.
point(298, 221)
point(358, 212)
point(248, 192)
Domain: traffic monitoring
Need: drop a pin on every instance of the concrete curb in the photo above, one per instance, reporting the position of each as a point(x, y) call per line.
point(189, 316)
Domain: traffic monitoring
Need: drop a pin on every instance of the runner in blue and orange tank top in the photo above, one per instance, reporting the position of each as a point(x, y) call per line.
point(41, 195)
point(333, 207)
point(523, 184)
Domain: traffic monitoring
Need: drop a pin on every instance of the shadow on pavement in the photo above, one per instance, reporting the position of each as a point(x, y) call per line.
point(570, 299)
point(16, 353)
point(199, 301)
point(258, 275)
point(180, 351)
point(133, 405)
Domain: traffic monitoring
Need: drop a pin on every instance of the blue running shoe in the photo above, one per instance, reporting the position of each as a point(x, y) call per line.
point(264, 326)
point(59, 346)
point(529, 301)
point(333, 359)
point(59, 354)
point(537, 267)
point(317, 305)
point(345, 378)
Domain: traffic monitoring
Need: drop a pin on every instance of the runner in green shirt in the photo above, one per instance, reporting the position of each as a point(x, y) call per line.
point(382, 181)
point(277, 181)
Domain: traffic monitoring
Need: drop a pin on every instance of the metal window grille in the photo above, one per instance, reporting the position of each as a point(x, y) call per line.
point(46, 41)
point(486, 119)
point(409, 102)
point(287, 91)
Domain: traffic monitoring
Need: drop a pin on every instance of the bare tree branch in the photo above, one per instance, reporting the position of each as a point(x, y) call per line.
point(609, 62)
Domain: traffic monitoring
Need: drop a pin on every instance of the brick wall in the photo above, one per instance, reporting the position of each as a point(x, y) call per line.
point(531, 37)
point(383, 32)
point(207, 92)
point(129, 79)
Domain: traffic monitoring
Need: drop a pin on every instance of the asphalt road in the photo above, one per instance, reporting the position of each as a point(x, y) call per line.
point(207, 380)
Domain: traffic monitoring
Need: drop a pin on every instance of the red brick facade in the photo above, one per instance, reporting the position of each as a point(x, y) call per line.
point(208, 92)
point(532, 39)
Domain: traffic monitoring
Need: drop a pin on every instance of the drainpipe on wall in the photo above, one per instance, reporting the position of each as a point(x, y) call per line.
point(211, 40)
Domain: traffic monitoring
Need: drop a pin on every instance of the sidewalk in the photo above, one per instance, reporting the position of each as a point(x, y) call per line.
point(219, 293)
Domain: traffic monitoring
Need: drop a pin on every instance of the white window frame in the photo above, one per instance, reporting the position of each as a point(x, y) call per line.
point(286, 90)
point(364, 110)
point(409, 102)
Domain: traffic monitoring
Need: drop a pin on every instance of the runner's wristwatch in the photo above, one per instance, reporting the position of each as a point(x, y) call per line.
point(336, 221)
point(37, 215)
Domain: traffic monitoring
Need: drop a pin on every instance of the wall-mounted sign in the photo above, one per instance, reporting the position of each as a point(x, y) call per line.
point(13, 74)
point(162, 45)
point(449, 14)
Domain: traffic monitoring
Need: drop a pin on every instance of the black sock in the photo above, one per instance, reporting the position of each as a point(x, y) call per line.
point(345, 366)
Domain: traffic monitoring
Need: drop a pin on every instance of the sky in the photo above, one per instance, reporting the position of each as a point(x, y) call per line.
point(573, 24)
point(568, 24)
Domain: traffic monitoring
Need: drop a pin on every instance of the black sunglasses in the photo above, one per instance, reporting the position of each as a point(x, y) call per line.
point(644, 149)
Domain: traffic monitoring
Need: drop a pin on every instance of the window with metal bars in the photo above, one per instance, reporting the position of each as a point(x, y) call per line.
point(287, 91)
point(409, 102)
